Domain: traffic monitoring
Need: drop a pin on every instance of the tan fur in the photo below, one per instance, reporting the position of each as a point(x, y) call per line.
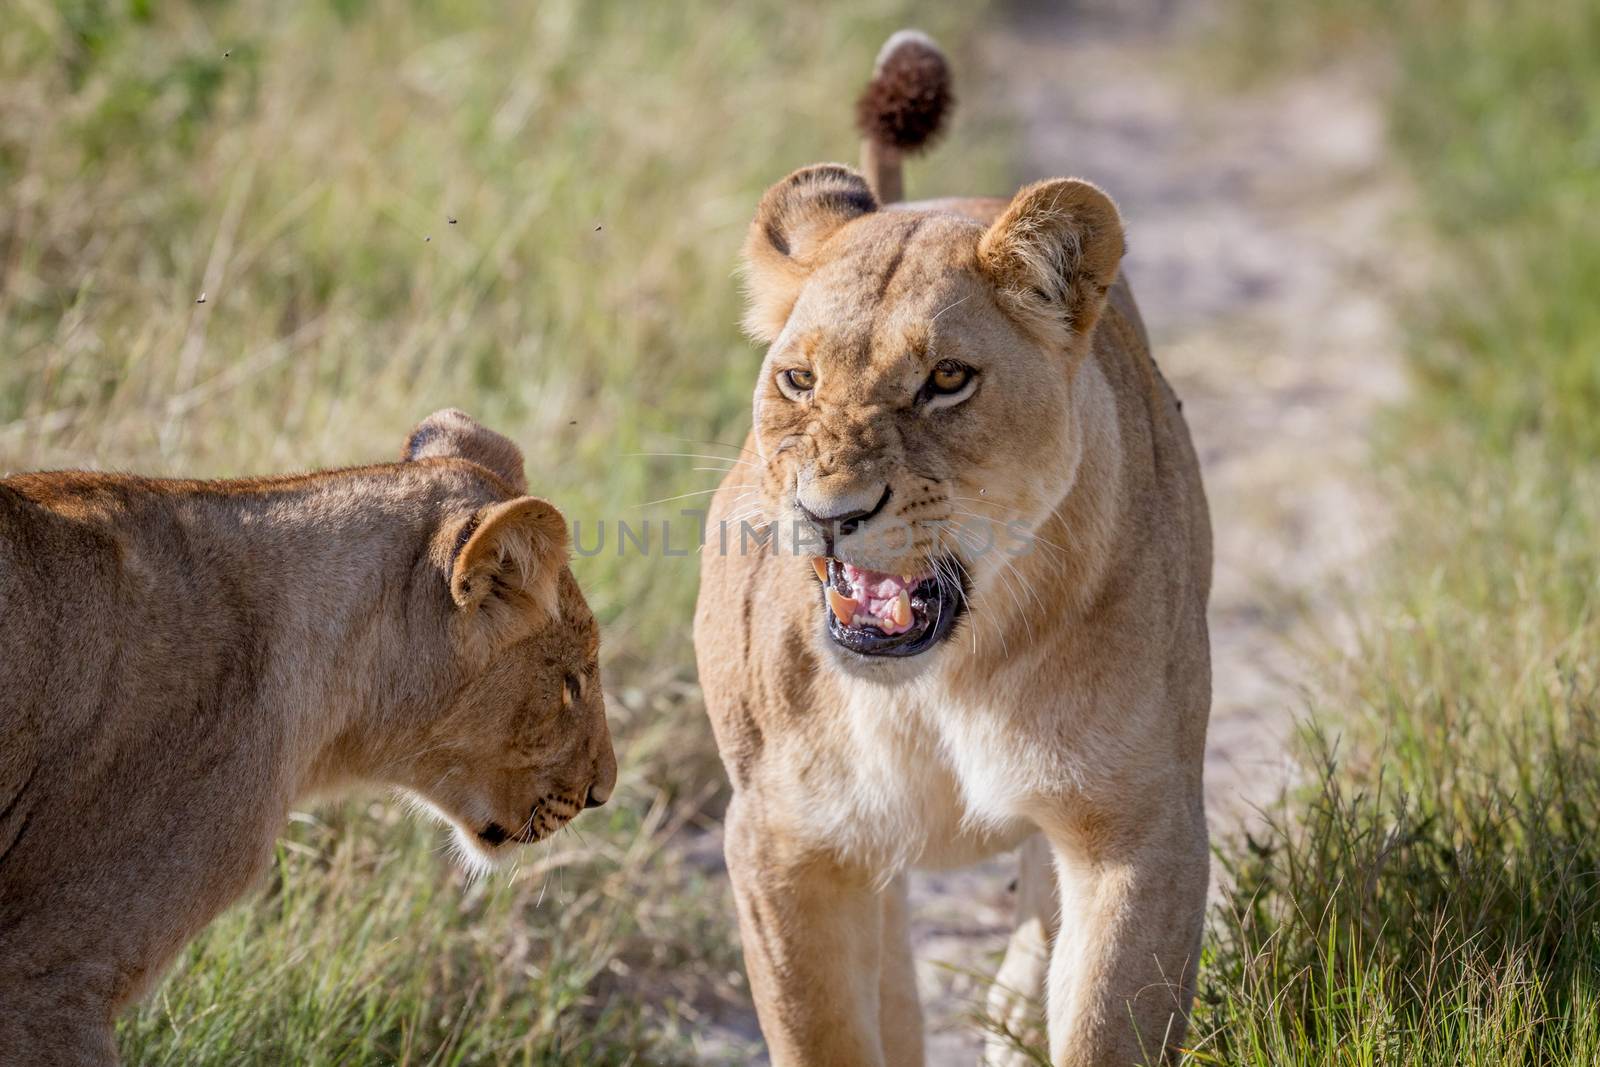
point(1069, 707)
point(180, 662)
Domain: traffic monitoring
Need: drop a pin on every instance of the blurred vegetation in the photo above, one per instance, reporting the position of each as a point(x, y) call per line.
point(532, 212)
point(1431, 896)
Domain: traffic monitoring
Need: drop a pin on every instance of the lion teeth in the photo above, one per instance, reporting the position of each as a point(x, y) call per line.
point(900, 613)
point(820, 565)
point(843, 608)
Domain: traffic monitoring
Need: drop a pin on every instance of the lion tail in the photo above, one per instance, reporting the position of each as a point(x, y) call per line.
point(903, 108)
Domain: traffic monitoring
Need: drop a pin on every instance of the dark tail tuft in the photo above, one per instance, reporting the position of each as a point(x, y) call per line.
point(904, 105)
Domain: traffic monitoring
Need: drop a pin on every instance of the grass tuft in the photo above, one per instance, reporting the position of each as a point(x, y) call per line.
point(1433, 896)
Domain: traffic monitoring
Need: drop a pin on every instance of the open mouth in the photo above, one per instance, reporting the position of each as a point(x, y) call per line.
point(873, 613)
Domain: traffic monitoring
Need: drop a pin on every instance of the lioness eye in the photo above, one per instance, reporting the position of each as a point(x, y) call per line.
point(572, 691)
point(949, 377)
point(798, 380)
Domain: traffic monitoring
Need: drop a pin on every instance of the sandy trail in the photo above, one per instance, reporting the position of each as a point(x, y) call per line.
point(1255, 223)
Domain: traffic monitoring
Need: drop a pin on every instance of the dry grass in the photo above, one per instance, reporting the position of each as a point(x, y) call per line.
point(530, 211)
point(1430, 902)
point(1431, 898)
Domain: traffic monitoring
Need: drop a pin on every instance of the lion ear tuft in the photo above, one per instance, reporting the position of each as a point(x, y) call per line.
point(796, 217)
point(508, 557)
point(1053, 255)
point(453, 433)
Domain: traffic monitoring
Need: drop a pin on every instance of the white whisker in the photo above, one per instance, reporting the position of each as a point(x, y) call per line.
point(947, 307)
point(716, 444)
point(680, 496)
point(736, 461)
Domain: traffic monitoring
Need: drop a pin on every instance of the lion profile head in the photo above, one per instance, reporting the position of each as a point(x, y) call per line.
point(516, 743)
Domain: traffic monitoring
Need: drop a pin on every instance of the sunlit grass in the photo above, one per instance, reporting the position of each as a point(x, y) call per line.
point(301, 166)
point(1429, 895)
point(1432, 896)
point(528, 210)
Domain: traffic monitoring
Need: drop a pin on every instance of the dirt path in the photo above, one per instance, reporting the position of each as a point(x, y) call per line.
point(1253, 224)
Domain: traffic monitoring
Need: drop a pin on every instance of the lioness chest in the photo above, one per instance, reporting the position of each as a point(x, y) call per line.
point(909, 776)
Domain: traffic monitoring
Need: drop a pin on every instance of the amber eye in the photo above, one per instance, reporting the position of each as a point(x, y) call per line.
point(949, 377)
point(571, 691)
point(798, 380)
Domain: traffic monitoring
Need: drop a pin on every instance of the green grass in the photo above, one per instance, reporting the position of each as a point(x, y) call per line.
point(359, 952)
point(367, 945)
point(300, 165)
point(1429, 897)
point(1429, 894)
point(1432, 896)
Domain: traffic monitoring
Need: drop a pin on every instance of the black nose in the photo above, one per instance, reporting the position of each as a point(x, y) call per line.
point(594, 799)
point(846, 523)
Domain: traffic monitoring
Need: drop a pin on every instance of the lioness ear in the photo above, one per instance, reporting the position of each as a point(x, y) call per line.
point(507, 555)
point(455, 433)
point(1053, 255)
point(795, 218)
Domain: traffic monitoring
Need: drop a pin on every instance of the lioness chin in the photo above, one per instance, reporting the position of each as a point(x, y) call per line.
point(969, 614)
point(180, 662)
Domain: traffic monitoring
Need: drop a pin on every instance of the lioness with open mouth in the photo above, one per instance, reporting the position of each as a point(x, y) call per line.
point(970, 611)
point(180, 662)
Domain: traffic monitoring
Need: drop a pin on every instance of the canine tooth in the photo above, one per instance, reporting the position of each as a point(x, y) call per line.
point(900, 613)
point(843, 607)
point(820, 565)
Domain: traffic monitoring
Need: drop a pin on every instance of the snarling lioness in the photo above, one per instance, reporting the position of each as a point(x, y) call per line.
point(182, 661)
point(957, 605)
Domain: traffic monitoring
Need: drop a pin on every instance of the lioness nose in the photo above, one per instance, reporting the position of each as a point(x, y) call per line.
point(846, 522)
point(598, 795)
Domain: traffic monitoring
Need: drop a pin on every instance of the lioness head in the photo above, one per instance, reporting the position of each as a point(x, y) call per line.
point(914, 414)
point(518, 743)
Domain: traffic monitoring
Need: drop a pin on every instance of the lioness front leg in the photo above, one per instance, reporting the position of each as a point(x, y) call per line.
point(899, 1010)
point(1123, 965)
point(812, 932)
point(1018, 989)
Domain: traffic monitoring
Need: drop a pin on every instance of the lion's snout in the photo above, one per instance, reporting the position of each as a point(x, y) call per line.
point(835, 515)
